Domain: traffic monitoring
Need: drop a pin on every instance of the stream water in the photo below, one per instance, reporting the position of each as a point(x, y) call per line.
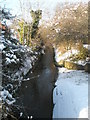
point(35, 96)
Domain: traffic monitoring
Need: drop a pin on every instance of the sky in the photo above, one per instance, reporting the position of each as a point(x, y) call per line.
point(48, 4)
point(45, 5)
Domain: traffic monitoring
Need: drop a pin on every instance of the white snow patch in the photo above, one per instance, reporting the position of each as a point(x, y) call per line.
point(31, 117)
point(80, 62)
point(66, 55)
point(8, 22)
point(83, 113)
point(57, 54)
point(25, 68)
point(87, 46)
point(12, 60)
point(7, 97)
point(43, 52)
point(70, 95)
point(21, 114)
point(8, 61)
point(1, 46)
point(57, 30)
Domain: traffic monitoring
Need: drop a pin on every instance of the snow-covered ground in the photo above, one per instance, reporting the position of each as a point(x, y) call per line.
point(66, 55)
point(70, 54)
point(70, 95)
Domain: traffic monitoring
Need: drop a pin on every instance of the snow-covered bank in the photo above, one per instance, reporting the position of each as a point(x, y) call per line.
point(77, 56)
point(70, 95)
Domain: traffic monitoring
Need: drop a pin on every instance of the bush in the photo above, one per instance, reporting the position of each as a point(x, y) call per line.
point(83, 52)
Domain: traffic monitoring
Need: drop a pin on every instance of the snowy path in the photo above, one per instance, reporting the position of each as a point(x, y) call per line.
point(71, 94)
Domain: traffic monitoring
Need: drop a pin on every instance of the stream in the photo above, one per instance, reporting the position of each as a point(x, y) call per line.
point(35, 96)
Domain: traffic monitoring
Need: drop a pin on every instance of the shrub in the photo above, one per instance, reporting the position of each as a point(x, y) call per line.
point(83, 52)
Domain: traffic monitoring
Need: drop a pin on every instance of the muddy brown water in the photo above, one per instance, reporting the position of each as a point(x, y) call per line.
point(35, 96)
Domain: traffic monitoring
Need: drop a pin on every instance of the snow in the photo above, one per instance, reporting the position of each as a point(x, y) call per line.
point(8, 23)
point(7, 97)
point(14, 36)
point(43, 52)
point(80, 62)
point(83, 113)
point(31, 117)
point(66, 55)
point(1, 46)
point(21, 114)
point(57, 30)
point(28, 117)
point(8, 61)
point(11, 102)
point(70, 54)
point(87, 46)
point(14, 56)
point(70, 95)
point(12, 60)
point(11, 55)
point(30, 78)
point(57, 54)
point(27, 66)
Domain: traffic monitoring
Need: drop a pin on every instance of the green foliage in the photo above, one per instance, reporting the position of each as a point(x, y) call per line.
point(24, 32)
point(83, 53)
point(21, 31)
point(36, 16)
point(27, 34)
point(28, 31)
